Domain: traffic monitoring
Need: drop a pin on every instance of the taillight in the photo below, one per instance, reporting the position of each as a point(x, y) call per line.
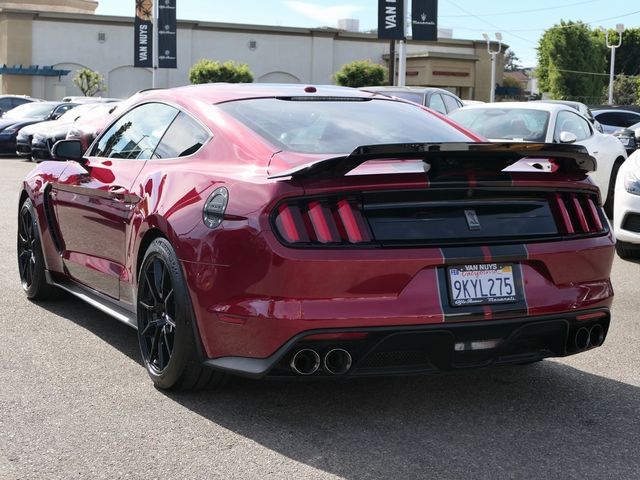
point(321, 222)
point(577, 214)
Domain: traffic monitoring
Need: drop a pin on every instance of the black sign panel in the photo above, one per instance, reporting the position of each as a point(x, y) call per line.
point(424, 20)
point(167, 42)
point(391, 19)
point(143, 43)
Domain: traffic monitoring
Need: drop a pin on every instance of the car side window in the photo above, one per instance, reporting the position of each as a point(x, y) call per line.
point(451, 103)
point(16, 102)
point(60, 110)
point(615, 119)
point(436, 103)
point(136, 134)
point(183, 138)
point(629, 119)
point(5, 104)
point(572, 123)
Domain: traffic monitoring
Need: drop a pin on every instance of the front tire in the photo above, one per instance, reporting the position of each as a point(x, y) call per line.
point(628, 251)
point(31, 264)
point(166, 324)
point(608, 205)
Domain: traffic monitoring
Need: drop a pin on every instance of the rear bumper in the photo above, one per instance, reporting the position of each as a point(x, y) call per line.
point(434, 348)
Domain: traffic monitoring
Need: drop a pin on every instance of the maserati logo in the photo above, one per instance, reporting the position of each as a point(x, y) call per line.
point(472, 220)
point(423, 17)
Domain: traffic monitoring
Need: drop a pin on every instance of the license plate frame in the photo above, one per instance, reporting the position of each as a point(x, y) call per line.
point(479, 284)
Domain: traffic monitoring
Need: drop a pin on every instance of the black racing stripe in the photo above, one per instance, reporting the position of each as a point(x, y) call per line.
point(457, 256)
point(508, 253)
point(511, 254)
point(465, 254)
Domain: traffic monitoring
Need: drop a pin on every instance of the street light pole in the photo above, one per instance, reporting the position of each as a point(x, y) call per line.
point(402, 62)
point(493, 53)
point(155, 39)
point(619, 29)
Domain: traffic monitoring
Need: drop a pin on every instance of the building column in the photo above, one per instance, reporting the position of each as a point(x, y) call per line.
point(18, 28)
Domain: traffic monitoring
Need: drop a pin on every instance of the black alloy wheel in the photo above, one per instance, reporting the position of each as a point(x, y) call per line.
point(31, 264)
point(26, 243)
point(157, 311)
point(166, 324)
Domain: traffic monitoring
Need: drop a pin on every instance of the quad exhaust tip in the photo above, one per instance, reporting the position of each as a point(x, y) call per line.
point(582, 338)
point(596, 335)
point(305, 362)
point(337, 361)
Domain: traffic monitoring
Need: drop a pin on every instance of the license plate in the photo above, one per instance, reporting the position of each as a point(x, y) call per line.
point(482, 284)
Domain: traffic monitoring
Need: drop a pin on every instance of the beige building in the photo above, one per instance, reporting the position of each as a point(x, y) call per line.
point(67, 35)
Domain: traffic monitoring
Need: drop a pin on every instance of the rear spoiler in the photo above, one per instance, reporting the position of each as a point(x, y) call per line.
point(568, 158)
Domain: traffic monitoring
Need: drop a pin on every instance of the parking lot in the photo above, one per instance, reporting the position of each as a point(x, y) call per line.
point(75, 402)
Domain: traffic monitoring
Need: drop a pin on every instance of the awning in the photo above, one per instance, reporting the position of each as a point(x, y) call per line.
point(33, 70)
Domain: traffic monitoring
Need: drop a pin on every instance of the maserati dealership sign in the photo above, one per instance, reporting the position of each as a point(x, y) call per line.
point(424, 20)
point(167, 30)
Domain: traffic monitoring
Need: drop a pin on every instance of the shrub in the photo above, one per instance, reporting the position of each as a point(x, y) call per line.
point(361, 73)
point(210, 71)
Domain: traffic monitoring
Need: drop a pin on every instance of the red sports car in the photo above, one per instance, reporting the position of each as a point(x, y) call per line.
point(284, 230)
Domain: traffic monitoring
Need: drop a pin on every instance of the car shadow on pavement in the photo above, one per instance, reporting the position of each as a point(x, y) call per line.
point(546, 420)
point(540, 421)
point(98, 323)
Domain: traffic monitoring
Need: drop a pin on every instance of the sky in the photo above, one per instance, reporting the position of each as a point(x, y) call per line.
point(521, 23)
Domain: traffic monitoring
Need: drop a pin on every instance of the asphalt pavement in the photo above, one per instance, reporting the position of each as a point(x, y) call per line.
point(76, 403)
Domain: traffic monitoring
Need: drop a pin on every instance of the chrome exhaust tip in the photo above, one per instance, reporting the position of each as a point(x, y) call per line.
point(337, 361)
point(305, 362)
point(596, 335)
point(582, 338)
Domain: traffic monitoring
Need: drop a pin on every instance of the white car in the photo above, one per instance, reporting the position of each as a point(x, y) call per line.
point(548, 123)
point(626, 215)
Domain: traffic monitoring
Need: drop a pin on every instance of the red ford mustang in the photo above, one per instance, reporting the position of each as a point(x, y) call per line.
point(283, 230)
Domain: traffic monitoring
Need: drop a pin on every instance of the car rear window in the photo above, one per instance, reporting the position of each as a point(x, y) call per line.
point(339, 125)
point(505, 123)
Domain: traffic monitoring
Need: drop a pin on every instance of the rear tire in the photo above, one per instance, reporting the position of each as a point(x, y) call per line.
point(166, 324)
point(629, 251)
point(31, 266)
point(608, 205)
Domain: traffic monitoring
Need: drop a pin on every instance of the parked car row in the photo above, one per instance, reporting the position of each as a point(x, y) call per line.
point(32, 129)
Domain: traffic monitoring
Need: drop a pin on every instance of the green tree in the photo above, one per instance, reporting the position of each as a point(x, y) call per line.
point(210, 71)
point(511, 61)
point(626, 90)
point(567, 55)
point(89, 82)
point(361, 73)
point(510, 82)
point(628, 54)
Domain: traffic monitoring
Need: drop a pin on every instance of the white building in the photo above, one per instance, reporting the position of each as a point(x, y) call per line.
point(66, 35)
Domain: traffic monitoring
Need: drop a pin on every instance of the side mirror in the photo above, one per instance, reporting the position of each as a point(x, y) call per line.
point(568, 137)
point(68, 150)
